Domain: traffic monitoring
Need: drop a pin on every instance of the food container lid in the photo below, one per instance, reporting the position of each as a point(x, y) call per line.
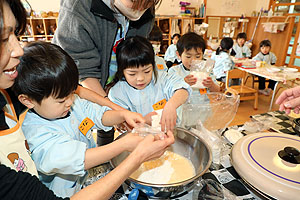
point(268, 161)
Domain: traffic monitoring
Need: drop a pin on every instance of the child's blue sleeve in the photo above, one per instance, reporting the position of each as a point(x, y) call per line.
point(116, 95)
point(258, 57)
point(248, 52)
point(173, 82)
point(273, 58)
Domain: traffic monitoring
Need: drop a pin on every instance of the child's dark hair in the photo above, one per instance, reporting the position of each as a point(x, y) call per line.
point(45, 70)
point(155, 34)
point(265, 43)
point(176, 35)
point(134, 52)
point(226, 44)
point(190, 41)
point(241, 36)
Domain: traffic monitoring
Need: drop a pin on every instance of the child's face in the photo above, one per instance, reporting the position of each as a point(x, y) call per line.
point(139, 77)
point(265, 49)
point(53, 108)
point(188, 56)
point(175, 40)
point(241, 42)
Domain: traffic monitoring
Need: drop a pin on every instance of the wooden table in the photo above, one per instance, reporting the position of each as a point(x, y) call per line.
point(282, 77)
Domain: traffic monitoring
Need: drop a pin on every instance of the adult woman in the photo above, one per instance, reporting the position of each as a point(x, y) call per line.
point(16, 184)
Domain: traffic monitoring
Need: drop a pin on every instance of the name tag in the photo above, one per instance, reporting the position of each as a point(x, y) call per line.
point(86, 125)
point(159, 105)
point(160, 66)
point(203, 91)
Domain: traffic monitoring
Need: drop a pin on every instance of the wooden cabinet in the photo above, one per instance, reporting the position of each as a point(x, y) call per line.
point(39, 29)
point(170, 25)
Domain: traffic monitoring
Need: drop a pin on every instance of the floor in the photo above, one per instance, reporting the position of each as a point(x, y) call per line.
point(245, 109)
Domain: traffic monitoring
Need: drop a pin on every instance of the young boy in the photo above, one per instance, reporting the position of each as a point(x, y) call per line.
point(241, 50)
point(191, 46)
point(58, 124)
point(269, 58)
point(155, 37)
point(171, 55)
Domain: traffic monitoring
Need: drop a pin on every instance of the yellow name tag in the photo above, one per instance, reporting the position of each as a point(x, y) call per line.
point(203, 91)
point(160, 66)
point(86, 125)
point(159, 105)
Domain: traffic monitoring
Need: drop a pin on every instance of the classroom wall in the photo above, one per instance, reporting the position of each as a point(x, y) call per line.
point(171, 7)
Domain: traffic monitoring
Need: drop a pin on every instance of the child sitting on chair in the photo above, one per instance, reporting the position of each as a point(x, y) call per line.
point(223, 61)
point(171, 57)
point(58, 124)
point(270, 58)
point(241, 50)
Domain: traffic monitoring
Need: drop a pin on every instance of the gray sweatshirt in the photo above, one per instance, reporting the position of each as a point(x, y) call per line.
point(87, 30)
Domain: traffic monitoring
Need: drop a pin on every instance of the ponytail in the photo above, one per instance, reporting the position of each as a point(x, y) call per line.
point(218, 50)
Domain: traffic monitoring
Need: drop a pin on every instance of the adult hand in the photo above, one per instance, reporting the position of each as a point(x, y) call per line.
point(153, 146)
point(190, 79)
point(130, 141)
point(168, 118)
point(289, 99)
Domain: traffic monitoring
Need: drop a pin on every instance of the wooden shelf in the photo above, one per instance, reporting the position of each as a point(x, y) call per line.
point(38, 28)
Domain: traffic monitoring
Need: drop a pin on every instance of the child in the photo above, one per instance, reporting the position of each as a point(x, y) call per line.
point(155, 37)
point(139, 89)
point(58, 124)
point(240, 49)
point(269, 58)
point(223, 62)
point(191, 46)
point(171, 55)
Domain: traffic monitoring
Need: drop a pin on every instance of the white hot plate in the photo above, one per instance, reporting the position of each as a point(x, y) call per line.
point(257, 160)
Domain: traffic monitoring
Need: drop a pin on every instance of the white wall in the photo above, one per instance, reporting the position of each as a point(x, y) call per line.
point(44, 5)
point(171, 7)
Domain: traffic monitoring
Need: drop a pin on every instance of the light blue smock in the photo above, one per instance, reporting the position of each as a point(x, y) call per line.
point(161, 66)
point(170, 54)
point(141, 101)
point(58, 147)
point(223, 63)
point(269, 58)
point(190, 116)
point(240, 51)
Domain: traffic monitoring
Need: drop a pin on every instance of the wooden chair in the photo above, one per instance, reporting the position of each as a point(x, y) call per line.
point(245, 92)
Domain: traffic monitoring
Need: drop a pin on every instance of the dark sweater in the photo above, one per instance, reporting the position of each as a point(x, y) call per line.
point(21, 185)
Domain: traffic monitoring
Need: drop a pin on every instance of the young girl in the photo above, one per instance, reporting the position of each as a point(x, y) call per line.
point(241, 50)
point(137, 87)
point(222, 59)
point(269, 58)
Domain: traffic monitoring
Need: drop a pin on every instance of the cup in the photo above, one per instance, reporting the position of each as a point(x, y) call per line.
point(258, 63)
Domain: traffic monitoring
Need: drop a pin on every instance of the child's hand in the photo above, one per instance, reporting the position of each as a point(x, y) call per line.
point(133, 118)
point(190, 79)
point(168, 118)
point(148, 117)
point(130, 141)
point(208, 82)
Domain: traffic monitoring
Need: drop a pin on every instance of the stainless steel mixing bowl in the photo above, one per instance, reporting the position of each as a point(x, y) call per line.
point(188, 145)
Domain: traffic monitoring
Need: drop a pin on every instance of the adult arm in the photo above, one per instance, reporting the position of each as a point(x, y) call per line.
point(90, 95)
point(289, 99)
point(151, 147)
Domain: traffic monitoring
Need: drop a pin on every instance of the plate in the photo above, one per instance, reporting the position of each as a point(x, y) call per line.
point(273, 69)
point(289, 69)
